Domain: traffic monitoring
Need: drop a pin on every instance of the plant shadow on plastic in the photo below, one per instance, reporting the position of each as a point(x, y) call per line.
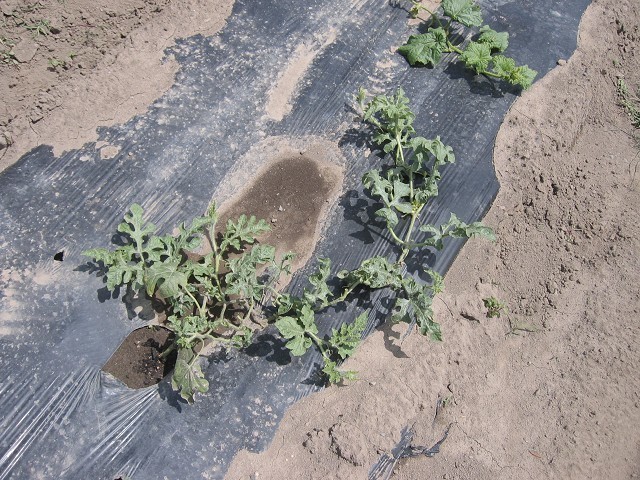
point(222, 298)
point(211, 299)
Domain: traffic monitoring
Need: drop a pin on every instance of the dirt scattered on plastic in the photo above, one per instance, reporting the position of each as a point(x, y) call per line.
point(279, 103)
point(137, 361)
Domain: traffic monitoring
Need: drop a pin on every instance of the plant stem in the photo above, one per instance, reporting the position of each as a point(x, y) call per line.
point(167, 351)
point(319, 342)
point(395, 236)
point(201, 308)
point(432, 14)
point(399, 151)
point(453, 48)
point(342, 297)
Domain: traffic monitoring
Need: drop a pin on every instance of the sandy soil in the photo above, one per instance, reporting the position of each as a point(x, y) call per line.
point(550, 389)
point(103, 56)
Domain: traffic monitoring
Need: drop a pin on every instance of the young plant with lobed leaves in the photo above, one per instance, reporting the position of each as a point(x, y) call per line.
point(403, 190)
point(209, 298)
point(484, 55)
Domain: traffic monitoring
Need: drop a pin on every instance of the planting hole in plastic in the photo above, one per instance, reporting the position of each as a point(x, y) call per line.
point(139, 361)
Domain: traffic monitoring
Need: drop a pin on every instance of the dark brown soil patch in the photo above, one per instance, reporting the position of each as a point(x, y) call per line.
point(292, 194)
point(137, 362)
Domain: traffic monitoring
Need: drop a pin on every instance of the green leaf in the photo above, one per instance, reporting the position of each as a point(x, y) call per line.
point(295, 329)
point(426, 48)
point(286, 302)
point(377, 185)
point(477, 56)
point(334, 375)
point(393, 118)
point(289, 327)
point(242, 277)
point(166, 277)
point(456, 228)
point(345, 340)
point(497, 41)
point(503, 66)
point(308, 319)
point(245, 230)
point(320, 292)
point(523, 76)
point(389, 216)
point(299, 345)
point(506, 69)
point(376, 272)
point(416, 308)
point(261, 254)
point(103, 255)
point(187, 376)
point(437, 282)
point(135, 227)
point(443, 153)
point(466, 12)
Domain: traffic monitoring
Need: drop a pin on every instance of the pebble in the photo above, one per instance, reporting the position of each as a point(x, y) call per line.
point(25, 50)
point(562, 62)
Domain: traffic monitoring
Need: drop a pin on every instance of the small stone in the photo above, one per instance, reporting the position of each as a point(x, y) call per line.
point(280, 209)
point(562, 62)
point(36, 116)
point(274, 220)
point(25, 50)
point(5, 140)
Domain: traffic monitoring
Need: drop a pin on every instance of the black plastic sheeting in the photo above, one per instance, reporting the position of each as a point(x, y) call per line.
point(383, 468)
point(60, 417)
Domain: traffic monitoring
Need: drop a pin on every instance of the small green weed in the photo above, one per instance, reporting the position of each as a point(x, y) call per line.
point(494, 307)
point(7, 56)
point(484, 56)
point(55, 63)
point(629, 101)
point(40, 27)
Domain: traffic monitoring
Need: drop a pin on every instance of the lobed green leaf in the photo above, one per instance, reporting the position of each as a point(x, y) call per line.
point(506, 68)
point(244, 230)
point(135, 227)
point(167, 277)
point(496, 41)
point(375, 272)
point(320, 293)
point(187, 376)
point(466, 12)
point(335, 375)
point(346, 339)
point(426, 48)
point(477, 56)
